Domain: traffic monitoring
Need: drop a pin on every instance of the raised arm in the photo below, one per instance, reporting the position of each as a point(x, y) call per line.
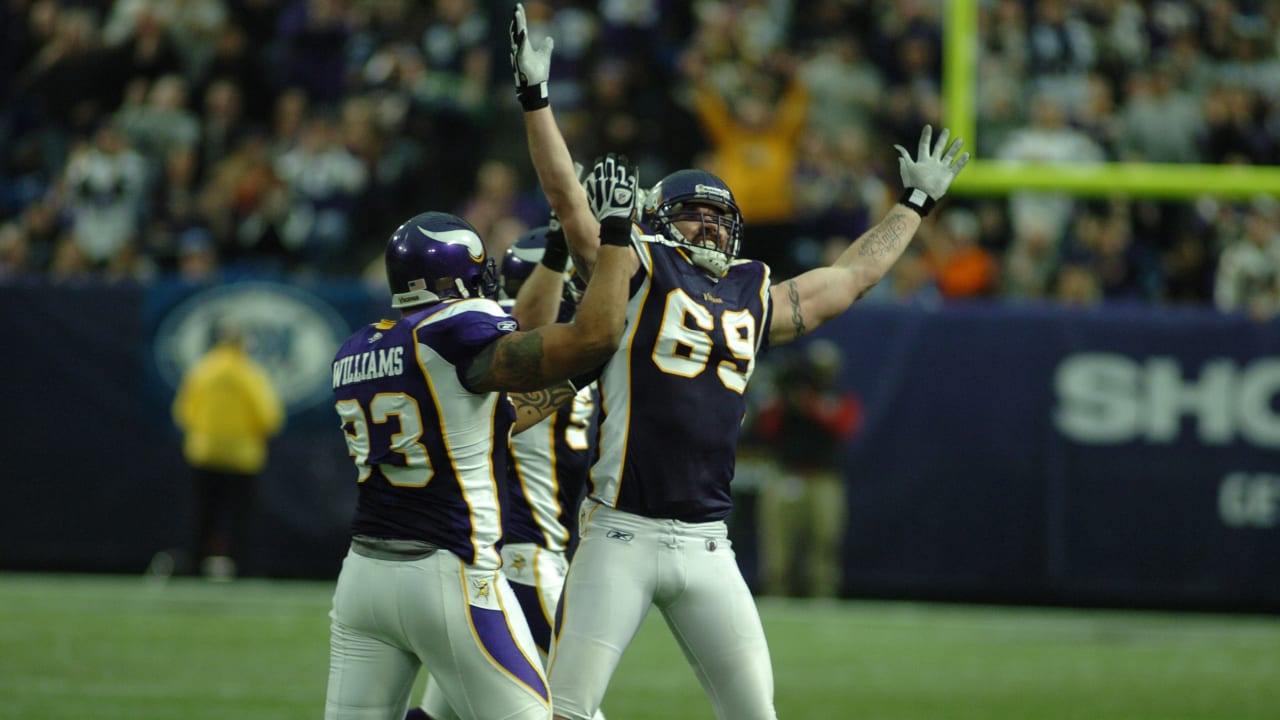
point(531, 66)
point(812, 298)
point(540, 358)
point(539, 297)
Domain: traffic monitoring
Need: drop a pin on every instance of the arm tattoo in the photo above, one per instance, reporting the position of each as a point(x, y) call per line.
point(797, 317)
point(538, 404)
point(510, 361)
point(517, 360)
point(580, 263)
point(883, 239)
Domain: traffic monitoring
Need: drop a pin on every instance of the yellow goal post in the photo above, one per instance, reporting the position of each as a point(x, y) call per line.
point(996, 177)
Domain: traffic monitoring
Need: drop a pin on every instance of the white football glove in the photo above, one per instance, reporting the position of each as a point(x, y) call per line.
point(926, 179)
point(612, 188)
point(531, 65)
point(612, 194)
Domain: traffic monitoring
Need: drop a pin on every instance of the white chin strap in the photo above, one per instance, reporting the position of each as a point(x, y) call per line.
point(710, 259)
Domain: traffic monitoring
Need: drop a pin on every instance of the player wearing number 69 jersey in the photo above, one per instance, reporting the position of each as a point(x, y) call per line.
point(652, 530)
point(424, 406)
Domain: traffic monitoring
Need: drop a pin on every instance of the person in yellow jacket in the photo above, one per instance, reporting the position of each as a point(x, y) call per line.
point(227, 410)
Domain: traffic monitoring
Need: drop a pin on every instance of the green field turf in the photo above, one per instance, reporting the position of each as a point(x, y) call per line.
point(115, 647)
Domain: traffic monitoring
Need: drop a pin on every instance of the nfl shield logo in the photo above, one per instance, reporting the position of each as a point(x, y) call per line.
point(711, 546)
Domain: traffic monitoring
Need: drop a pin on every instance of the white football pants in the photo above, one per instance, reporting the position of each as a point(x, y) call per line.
point(390, 617)
point(625, 563)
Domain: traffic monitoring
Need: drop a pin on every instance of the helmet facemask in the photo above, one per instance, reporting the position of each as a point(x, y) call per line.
point(700, 197)
point(705, 248)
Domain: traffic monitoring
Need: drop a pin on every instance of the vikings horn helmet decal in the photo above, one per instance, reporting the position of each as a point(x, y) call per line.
point(436, 256)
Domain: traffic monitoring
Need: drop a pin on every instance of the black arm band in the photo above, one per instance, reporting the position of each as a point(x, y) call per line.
point(556, 256)
point(533, 97)
point(917, 200)
point(615, 231)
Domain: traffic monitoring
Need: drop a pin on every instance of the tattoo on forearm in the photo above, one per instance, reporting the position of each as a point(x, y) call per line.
point(580, 264)
point(797, 317)
point(883, 240)
point(540, 403)
point(518, 360)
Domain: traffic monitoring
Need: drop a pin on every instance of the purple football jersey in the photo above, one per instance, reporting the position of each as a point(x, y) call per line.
point(428, 451)
point(672, 396)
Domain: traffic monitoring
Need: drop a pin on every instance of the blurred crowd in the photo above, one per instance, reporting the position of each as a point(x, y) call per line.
point(216, 138)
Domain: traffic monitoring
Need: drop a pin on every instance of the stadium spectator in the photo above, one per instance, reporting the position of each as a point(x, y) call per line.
point(1061, 50)
point(496, 198)
point(15, 252)
point(754, 135)
point(1188, 269)
point(964, 269)
point(326, 184)
point(1049, 139)
point(843, 85)
point(157, 124)
point(1160, 122)
point(197, 261)
point(105, 187)
point(1127, 271)
point(314, 35)
point(1076, 284)
point(1248, 276)
point(227, 410)
point(1029, 263)
point(802, 506)
point(1236, 130)
point(426, 69)
point(838, 187)
point(223, 123)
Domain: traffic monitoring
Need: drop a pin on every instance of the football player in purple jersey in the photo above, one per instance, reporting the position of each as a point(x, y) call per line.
point(424, 407)
point(652, 528)
point(547, 472)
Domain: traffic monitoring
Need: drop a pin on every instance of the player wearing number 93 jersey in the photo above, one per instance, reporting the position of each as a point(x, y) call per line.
point(426, 404)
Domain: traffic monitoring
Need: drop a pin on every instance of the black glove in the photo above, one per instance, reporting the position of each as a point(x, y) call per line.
point(531, 65)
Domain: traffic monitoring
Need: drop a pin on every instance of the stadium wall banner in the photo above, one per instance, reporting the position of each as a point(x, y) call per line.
point(1118, 457)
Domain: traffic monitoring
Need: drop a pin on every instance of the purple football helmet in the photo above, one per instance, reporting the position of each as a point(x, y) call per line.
point(521, 258)
point(676, 198)
point(435, 256)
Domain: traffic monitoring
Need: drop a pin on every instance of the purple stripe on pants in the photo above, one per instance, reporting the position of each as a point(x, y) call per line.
point(495, 636)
